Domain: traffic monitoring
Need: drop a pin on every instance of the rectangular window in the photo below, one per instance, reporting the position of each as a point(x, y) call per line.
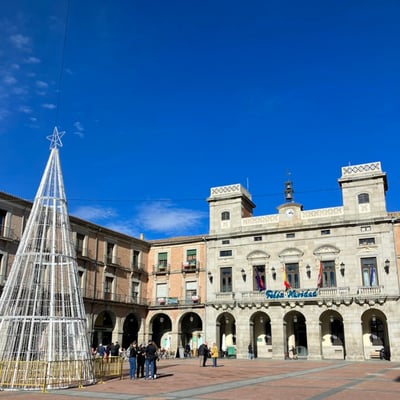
point(365, 229)
point(135, 259)
point(108, 284)
point(325, 232)
point(191, 257)
point(226, 242)
point(366, 241)
point(162, 261)
point(225, 253)
point(2, 276)
point(134, 291)
point(80, 240)
point(292, 274)
point(81, 273)
point(190, 290)
point(369, 272)
point(109, 253)
point(290, 236)
point(226, 279)
point(161, 292)
point(328, 274)
point(257, 238)
point(3, 215)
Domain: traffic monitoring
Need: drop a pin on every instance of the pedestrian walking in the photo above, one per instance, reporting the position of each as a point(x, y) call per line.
point(250, 352)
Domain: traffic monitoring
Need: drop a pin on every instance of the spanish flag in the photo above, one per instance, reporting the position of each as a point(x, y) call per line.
point(285, 281)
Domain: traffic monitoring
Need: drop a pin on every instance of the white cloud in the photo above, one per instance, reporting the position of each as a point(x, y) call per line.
point(20, 41)
point(20, 91)
point(94, 213)
point(4, 113)
point(161, 216)
point(79, 129)
point(33, 60)
point(25, 109)
point(124, 227)
point(49, 106)
point(9, 80)
point(42, 85)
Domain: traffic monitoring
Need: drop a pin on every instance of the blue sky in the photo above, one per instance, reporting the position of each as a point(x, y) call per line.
point(162, 100)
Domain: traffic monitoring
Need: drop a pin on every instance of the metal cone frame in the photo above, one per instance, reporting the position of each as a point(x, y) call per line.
point(43, 336)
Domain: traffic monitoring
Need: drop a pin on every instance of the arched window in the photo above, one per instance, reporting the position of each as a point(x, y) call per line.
point(363, 198)
point(225, 216)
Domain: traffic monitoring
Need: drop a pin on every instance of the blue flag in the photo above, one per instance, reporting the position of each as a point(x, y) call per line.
point(372, 277)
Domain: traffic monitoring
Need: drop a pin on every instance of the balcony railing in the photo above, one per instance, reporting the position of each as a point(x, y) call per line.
point(84, 253)
point(160, 269)
point(175, 301)
point(190, 266)
point(326, 295)
point(115, 297)
point(137, 267)
point(108, 260)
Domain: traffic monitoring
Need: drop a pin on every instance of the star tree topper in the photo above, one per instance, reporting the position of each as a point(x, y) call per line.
point(55, 138)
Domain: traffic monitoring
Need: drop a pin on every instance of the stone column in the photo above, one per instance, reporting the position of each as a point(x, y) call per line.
point(314, 339)
point(353, 338)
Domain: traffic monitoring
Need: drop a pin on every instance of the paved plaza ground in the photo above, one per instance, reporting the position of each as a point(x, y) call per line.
point(244, 379)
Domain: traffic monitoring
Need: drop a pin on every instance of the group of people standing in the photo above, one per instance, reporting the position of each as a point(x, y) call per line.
point(208, 352)
point(142, 360)
point(105, 351)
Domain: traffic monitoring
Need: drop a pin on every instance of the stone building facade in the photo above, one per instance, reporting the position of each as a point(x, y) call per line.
point(340, 265)
point(324, 282)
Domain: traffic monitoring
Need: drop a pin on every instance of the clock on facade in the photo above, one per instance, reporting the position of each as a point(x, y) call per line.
point(289, 212)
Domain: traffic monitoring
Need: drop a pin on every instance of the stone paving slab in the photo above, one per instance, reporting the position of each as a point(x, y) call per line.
point(243, 379)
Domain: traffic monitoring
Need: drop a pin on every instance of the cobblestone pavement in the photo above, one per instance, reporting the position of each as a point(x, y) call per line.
point(243, 379)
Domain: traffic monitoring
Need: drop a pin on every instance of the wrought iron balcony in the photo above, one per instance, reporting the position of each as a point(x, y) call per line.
point(190, 266)
point(133, 298)
point(173, 302)
point(161, 269)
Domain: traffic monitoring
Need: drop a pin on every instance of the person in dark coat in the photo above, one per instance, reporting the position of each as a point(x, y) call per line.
point(140, 360)
point(203, 354)
point(151, 353)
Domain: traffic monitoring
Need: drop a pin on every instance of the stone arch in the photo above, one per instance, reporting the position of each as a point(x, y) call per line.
point(332, 335)
point(295, 334)
point(190, 328)
point(130, 330)
point(103, 328)
point(160, 325)
point(261, 334)
point(376, 341)
point(226, 334)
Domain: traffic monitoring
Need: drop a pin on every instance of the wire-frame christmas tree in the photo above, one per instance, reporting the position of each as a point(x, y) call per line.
point(43, 336)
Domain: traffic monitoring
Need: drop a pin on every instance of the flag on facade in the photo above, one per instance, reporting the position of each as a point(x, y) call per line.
point(372, 277)
point(260, 282)
point(320, 275)
point(285, 281)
